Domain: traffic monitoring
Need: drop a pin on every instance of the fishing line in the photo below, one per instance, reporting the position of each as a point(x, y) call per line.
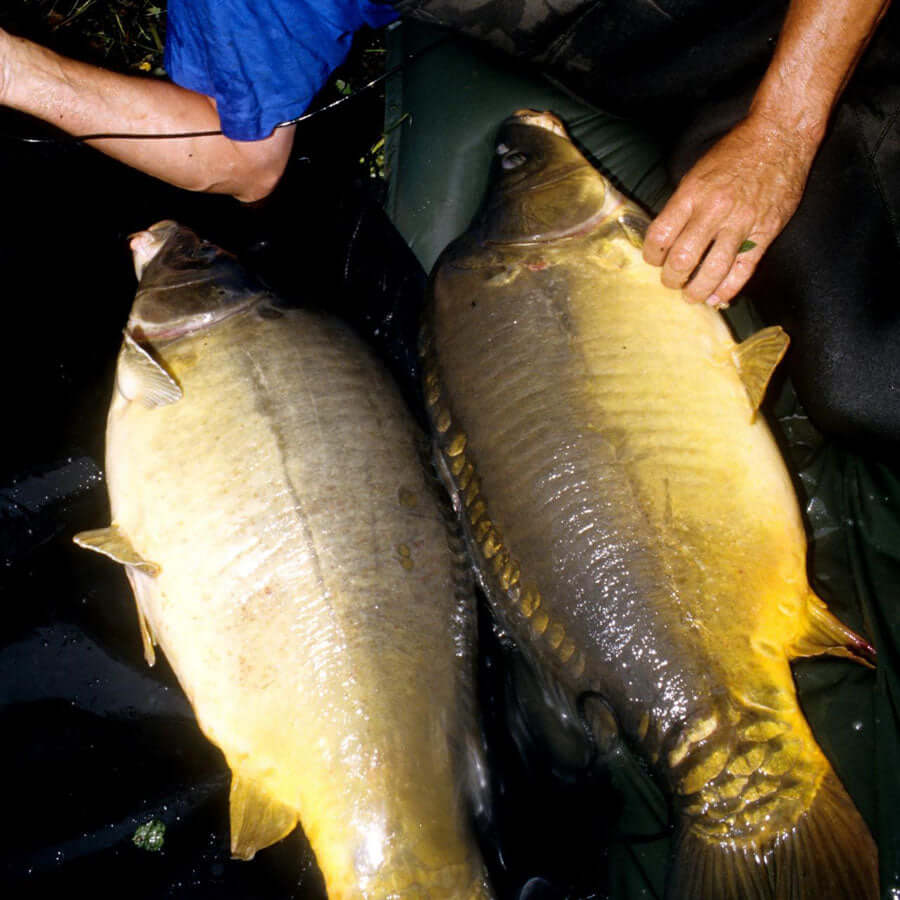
point(176, 135)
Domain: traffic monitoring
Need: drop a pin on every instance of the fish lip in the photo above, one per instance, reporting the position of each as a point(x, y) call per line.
point(539, 119)
point(146, 243)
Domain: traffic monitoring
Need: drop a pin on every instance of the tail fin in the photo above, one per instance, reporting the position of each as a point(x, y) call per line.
point(828, 853)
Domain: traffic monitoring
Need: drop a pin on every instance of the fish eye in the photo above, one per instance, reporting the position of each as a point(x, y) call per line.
point(204, 251)
point(513, 160)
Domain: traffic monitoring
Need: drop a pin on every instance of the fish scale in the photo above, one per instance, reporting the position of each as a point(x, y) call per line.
point(648, 548)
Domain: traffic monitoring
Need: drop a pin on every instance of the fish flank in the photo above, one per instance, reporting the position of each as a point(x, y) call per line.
point(562, 651)
point(263, 399)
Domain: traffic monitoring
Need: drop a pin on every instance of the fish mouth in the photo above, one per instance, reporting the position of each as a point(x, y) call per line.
point(542, 119)
point(146, 244)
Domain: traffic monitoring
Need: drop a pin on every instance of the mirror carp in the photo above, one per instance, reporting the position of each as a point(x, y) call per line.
point(632, 521)
point(287, 551)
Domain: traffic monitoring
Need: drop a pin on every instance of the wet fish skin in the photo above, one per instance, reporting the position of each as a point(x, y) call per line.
point(632, 520)
point(287, 552)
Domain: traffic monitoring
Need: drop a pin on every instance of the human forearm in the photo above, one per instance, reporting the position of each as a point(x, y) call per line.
point(83, 99)
point(745, 189)
point(816, 54)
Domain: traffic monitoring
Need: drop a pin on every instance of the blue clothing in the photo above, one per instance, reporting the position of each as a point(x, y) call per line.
point(262, 61)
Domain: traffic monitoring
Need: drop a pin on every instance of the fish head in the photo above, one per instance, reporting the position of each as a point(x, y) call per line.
point(185, 283)
point(541, 187)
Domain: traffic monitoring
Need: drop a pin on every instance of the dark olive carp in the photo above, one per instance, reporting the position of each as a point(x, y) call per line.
point(633, 523)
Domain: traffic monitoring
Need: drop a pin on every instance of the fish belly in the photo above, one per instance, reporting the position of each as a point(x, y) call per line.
point(306, 598)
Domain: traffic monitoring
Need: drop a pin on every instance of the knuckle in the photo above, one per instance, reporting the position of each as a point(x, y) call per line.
point(717, 265)
point(720, 202)
point(682, 260)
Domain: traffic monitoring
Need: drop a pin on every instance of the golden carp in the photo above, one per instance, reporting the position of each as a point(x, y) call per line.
point(286, 551)
point(632, 520)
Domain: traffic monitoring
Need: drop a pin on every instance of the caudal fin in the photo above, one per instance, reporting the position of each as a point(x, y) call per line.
point(828, 853)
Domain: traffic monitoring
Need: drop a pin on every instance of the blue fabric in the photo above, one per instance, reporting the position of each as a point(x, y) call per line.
point(262, 61)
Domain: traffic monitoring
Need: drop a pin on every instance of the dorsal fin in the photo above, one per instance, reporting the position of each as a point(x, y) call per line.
point(257, 819)
point(140, 377)
point(114, 544)
point(756, 360)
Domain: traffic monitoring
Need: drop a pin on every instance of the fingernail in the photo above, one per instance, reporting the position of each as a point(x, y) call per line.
point(713, 300)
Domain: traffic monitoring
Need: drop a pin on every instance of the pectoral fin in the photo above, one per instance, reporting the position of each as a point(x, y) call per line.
point(257, 819)
point(634, 223)
point(756, 360)
point(143, 586)
point(140, 377)
point(826, 634)
point(114, 544)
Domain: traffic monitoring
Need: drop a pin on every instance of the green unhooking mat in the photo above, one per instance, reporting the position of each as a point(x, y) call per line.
point(442, 113)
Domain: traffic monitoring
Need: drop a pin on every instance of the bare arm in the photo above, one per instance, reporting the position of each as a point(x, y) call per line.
point(749, 184)
point(83, 99)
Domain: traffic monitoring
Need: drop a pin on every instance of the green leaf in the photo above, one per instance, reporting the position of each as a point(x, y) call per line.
point(747, 245)
point(149, 836)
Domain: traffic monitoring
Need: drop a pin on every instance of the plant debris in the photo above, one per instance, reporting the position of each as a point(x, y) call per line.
point(150, 836)
point(126, 35)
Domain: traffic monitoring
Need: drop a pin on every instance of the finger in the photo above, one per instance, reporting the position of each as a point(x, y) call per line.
point(737, 277)
point(714, 267)
point(686, 253)
point(665, 228)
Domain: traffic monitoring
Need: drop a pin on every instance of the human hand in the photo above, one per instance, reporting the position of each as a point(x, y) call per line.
point(730, 206)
